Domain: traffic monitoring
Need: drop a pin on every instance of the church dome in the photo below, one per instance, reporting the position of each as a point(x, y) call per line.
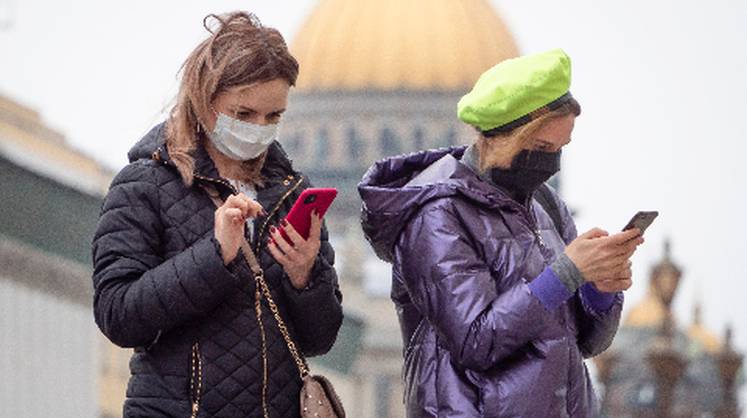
point(702, 335)
point(415, 45)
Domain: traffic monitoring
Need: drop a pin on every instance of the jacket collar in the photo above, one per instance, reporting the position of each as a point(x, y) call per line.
point(471, 159)
point(277, 166)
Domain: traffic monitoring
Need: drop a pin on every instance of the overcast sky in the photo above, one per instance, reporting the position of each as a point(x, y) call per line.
point(661, 83)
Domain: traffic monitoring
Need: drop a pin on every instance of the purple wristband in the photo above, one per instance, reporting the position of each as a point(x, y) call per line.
point(598, 301)
point(549, 289)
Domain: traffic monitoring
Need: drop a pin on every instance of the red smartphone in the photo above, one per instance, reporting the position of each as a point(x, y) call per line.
point(300, 214)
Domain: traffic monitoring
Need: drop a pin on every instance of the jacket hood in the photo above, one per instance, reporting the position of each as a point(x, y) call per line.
point(394, 189)
point(148, 144)
point(153, 145)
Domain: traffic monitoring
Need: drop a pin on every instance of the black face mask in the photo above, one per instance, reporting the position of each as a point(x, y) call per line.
point(529, 169)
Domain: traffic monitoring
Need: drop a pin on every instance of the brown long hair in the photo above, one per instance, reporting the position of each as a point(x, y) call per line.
point(239, 51)
point(499, 150)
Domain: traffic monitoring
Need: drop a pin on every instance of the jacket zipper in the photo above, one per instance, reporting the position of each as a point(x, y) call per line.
point(533, 226)
point(536, 231)
point(195, 380)
point(218, 181)
point(274, 211)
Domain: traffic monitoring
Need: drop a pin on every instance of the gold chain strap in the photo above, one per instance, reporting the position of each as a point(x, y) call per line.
point(303, 370)
point(258, 311)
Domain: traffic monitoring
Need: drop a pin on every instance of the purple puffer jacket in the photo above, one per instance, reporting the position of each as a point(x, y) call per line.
point(478, 342)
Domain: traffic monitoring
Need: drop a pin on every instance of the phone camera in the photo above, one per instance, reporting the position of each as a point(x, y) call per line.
point(310, 199)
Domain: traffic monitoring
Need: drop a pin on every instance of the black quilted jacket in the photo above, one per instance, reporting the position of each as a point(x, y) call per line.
point(161, 287)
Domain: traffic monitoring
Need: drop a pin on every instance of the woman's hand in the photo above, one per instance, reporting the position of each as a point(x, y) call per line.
point(230, 221)
point(604, 259)
point(297, 258)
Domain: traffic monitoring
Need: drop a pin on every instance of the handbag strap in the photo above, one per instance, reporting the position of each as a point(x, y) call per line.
point(263, 289)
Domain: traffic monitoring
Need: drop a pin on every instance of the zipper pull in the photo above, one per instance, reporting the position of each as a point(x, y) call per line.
point(539, 238)
point(547, 254)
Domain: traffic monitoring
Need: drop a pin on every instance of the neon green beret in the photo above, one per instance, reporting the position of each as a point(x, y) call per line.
point(506, 95)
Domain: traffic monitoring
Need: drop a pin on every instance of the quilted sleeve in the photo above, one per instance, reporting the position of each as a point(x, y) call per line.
point(137, 294)
point(317, 310)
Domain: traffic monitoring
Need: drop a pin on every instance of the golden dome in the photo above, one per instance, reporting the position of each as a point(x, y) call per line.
point(662, 287)
point(699, 333)
point(25, 139)
point(393, 44)
point(650, 312)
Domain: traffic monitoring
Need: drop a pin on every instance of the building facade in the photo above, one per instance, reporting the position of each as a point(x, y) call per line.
point(54, 360)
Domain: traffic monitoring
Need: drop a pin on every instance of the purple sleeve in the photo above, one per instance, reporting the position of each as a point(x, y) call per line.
point(548, 288)
point(599, 301)
point(598, 319)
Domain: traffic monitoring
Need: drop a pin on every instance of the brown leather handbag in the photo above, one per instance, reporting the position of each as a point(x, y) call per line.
point(318, 398)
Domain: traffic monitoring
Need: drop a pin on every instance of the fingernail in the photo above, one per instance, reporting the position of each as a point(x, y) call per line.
point(273, 229)
point(284, 222)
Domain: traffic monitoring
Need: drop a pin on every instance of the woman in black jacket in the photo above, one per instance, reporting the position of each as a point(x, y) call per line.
point(169, 277)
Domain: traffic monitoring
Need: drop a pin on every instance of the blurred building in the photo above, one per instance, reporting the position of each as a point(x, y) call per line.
point(54, 361)
point(658, 368)
point(380, 78)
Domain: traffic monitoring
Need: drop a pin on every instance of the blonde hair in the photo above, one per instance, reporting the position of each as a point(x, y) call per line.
point(238, 52)
point(499, 150)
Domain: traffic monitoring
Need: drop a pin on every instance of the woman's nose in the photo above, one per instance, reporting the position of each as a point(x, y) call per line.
point(262, 120)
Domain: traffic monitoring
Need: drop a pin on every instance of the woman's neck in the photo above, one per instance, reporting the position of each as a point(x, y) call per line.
point(227, 168)
point(246, 171)
point(472, 159)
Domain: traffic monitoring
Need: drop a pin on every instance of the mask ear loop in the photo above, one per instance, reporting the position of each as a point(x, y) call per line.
point(201, 126)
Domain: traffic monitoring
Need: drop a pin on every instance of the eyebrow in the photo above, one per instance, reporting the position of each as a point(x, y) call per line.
point(242, 108)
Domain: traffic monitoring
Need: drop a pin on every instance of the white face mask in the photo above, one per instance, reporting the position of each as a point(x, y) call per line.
point(241, 140)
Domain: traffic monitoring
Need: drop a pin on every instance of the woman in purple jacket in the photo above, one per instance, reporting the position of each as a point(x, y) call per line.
point(498, 305)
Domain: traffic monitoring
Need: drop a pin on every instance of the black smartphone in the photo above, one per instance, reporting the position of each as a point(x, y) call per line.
point(641, 220)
